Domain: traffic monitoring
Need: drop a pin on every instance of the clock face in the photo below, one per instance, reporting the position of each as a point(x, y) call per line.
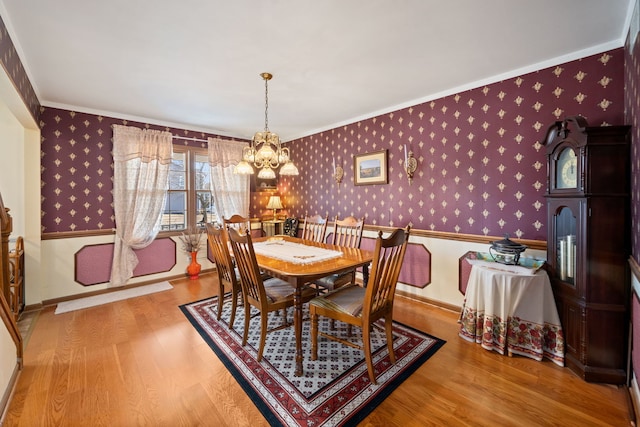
point(567, 169)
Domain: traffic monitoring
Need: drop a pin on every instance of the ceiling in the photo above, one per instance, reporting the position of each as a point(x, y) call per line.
point(196, 64)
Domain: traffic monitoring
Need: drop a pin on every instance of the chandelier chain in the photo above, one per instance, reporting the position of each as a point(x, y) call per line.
point(266, 104)
point(265, 150)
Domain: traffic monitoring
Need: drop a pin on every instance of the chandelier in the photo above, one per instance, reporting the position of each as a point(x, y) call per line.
point(266, 152)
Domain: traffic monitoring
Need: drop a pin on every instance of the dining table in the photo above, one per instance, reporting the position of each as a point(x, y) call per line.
point(300, 262)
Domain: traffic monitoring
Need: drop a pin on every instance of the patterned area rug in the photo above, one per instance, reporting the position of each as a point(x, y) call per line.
point(334, 391)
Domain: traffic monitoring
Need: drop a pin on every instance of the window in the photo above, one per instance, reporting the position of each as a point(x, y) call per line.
point(189, 202)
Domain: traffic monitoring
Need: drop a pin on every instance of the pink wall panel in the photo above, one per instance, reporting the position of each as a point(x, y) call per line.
point(635, 350)
point(93, 262)
point(416, 268)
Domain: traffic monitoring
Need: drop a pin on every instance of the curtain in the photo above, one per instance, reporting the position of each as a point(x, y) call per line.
point(141, 160)
point(230, 191)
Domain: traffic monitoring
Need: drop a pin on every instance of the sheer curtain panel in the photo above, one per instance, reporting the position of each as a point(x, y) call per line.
point(141, 159)
point(230, 191)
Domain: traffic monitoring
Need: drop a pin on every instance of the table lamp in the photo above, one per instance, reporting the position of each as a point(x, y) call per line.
point(274, 203)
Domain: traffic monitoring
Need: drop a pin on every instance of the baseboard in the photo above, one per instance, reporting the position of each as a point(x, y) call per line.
point(55, 301)
point(634, 396)
point(429, 301)
point(8, 393)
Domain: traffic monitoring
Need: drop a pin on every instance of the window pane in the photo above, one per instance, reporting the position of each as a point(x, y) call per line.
point(178, 172)
point(175, 211)
point(202, 173)
point(204, 206)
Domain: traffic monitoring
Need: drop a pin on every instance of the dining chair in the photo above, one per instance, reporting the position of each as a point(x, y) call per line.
point(362, 307)
point(238, 222)
point(265, 295)
point(346, 233)
point(229, 281)
point(314, 228)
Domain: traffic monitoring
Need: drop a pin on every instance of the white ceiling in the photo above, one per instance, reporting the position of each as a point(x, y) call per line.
point(195, 64)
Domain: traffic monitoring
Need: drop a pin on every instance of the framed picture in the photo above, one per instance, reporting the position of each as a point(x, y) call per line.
point(258, 184)
point(370, 168)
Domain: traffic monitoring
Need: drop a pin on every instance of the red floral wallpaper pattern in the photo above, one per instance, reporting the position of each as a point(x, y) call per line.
point(14, 68)
point(77, 168)
point(481, 165)
point(482, 168)
point(632, 112)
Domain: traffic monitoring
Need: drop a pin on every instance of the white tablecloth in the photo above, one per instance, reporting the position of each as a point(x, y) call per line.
point(513, 311)
point(296, 253)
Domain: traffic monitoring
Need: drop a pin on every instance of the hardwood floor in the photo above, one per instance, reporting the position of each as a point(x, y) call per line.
point(140, 362)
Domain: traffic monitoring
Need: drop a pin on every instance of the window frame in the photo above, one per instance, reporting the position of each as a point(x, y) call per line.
point(191, 221)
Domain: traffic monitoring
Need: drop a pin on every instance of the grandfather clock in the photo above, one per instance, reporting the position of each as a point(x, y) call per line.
point(588, 245)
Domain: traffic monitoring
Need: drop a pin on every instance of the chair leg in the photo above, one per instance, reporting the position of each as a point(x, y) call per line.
point(247, 318)
point(220, 300)
point(388, 327)
point(263, 334)
point(234, 305)
point(314, 336)
point(366, 341)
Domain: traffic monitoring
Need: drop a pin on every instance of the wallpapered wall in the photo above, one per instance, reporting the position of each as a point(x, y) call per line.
point(482, 169)
point(77, 168)
point(632, 112)
point(14, 68)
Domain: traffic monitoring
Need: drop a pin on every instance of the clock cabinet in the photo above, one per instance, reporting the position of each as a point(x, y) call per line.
point(588, 244)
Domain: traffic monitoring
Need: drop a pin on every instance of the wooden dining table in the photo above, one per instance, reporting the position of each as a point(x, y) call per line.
point(298, 275)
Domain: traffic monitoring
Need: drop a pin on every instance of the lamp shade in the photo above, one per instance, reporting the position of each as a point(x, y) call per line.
point(275, 203)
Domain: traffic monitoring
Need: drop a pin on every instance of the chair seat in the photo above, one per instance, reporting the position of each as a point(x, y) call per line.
point(279, 290)
point(335, 281)
point(348, 300)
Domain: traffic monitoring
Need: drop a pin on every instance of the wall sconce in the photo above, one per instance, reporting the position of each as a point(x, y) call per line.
point(410, 164)
point(338, 172)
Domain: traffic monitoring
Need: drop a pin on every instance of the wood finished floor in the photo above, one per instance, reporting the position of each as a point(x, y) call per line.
point(140, 363)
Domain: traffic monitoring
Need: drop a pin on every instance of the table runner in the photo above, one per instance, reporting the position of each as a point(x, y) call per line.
point(295, 253)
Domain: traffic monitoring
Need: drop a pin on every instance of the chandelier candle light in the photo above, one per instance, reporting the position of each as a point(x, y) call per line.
point(274, 203)
point(266, 152)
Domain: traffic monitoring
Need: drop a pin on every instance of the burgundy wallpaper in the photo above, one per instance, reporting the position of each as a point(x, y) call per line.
point(632, 111)
point(481, 166)
point(482, 169)
point(77, 168)
point(14, 68)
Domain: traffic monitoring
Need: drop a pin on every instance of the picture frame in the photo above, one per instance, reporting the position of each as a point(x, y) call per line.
point(258, 184)
point(371, 168)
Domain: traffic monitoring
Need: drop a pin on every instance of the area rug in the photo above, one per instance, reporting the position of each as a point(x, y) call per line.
point(334, 391)
point(78, 304)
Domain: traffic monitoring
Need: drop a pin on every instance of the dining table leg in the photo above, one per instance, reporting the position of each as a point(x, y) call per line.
point(297, 324)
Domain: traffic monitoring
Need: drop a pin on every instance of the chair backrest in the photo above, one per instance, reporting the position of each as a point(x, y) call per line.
point(314, 228)
point(347, 232)
point(238, 222)
point(387, 261)
point(290, 227)
point(218, 243)
point(250, 277)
